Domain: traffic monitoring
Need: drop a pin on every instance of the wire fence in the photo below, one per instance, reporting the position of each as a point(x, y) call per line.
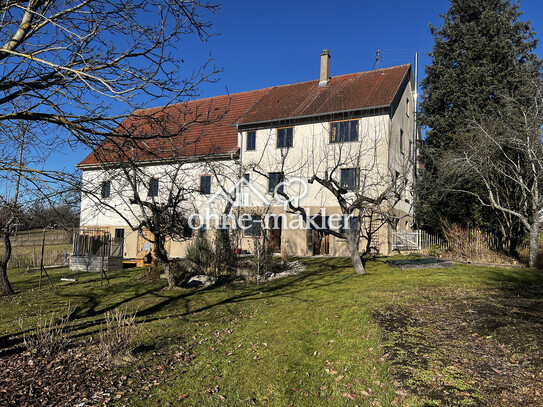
point(32, 258)
point(27, 248)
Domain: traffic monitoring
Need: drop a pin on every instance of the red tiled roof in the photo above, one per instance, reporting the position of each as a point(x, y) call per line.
point(342, 93)
point(207, 126)
point(197, 128)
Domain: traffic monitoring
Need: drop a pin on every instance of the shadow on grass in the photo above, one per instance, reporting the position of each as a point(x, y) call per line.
point(308, 280)
point(154, 303)
point(89, 315)
point(513, 310)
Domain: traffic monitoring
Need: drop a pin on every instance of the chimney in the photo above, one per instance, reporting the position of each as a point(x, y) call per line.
point(325, 68)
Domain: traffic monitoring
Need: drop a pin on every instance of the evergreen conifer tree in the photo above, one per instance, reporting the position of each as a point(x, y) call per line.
point(483, 53)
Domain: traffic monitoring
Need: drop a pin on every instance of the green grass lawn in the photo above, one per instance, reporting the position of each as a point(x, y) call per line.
point(304, 340)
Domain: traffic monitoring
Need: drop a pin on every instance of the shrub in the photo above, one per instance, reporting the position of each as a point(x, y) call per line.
point(200, 255)
point(470, 244)
point(118, 336)
point(216, 258)
point(181, 271)
point(48, 335)
point(263, 261)
point(435, 250)
point(224, 258)
point(284, 251)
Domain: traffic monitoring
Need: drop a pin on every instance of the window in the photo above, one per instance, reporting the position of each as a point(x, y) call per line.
point(349, 178)
point(252, 226)
point(284, 137)
point(106, 189)
point(344, 131)
point(251, 140)
point(153, 187)
point(205, 184)
point(401, 141)
point(119, 234)
point(407, 107)
point(274, 179)
point(247, 177)
point(352, 223)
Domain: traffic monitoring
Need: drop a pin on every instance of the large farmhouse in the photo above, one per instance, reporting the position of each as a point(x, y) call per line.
point(248, 154)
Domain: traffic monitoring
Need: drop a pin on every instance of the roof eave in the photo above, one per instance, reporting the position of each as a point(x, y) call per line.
point(316, 116)
point(161, 161)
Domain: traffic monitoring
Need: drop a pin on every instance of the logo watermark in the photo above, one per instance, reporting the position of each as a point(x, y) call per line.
point(287, 193)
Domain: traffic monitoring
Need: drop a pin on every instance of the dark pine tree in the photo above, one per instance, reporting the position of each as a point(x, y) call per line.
point(482, 55)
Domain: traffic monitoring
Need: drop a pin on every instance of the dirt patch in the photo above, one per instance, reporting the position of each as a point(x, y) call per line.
point(482, 348)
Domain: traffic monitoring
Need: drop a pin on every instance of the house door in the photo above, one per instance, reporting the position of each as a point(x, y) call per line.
point(318, 242)
point(117, 245)
point(321, 243)
point(275, 234)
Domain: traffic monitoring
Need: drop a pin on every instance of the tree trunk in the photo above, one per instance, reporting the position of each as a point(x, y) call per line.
point(169, 275)
point(514, 236)
point(534, 243)
point(352, 242)
point(161, 255)
point(4, 282)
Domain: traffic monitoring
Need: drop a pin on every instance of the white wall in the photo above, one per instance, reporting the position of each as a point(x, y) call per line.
point(313, 153)
point(117, 210)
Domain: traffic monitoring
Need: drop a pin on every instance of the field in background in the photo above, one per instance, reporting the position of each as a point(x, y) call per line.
point(26, 248)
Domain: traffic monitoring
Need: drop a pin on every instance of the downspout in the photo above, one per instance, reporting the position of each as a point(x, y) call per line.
point(238, 192)
point(415, 134)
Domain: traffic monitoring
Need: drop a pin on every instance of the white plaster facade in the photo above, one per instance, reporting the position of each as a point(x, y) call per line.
point(378, 153)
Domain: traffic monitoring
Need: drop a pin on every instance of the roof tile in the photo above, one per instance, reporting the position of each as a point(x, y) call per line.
point(207, 126)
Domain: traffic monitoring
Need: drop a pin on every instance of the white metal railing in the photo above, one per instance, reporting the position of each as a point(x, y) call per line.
point(416, 240)
point(406, 240)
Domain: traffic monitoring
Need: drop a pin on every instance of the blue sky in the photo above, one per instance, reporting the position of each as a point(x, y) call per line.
point(265, 43)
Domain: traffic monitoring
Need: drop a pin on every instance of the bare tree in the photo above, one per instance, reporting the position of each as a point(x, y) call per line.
point(72, 60)
point(506, 155)
point(350, 165)
point(79, 67)
point(24, 184)
point(151, 178)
